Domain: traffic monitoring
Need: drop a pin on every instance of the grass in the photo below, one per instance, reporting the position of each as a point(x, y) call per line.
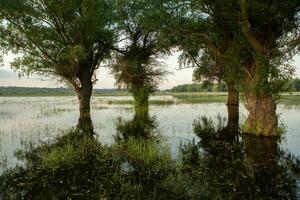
point(200, 97)
point(218, 97)
point(290, 99)
point(146, 152)
point(151, 102)
point(53, 111)
point(186, 97)
point(111, 94)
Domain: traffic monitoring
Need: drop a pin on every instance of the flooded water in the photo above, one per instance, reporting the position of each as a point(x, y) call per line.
point(191, 143)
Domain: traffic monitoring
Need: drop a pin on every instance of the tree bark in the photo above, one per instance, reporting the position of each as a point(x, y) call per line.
point(262, 119)
point(84, 94)
point(141, 102)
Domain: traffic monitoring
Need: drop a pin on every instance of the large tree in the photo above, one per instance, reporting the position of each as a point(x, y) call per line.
point(269, 37)
point(63, 39)
point(257, 38)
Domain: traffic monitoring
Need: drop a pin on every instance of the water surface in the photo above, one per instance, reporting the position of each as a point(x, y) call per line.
point(194, 137)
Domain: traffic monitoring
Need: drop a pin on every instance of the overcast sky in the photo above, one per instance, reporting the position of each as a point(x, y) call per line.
point(105, 79)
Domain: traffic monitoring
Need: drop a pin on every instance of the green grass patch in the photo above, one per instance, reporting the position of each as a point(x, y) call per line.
point(206, 97)
point(290, 99)
point(117, 94)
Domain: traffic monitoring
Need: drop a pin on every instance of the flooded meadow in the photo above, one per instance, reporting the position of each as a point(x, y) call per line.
point(188, 151)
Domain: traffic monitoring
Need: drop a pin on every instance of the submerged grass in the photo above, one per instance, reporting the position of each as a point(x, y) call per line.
point(218, 97)
point(184, 97)
point(151, 102)
point(54, 111)
point(290, 99)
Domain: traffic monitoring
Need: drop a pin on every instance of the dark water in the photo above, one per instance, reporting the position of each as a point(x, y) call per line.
point(221, 164)
point(175, 152)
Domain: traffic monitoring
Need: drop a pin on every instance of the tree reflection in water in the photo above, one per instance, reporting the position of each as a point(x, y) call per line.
point(139, 127)
point(244, 167)
point(223, 165)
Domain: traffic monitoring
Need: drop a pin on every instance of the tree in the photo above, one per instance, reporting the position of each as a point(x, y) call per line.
point(201, 30)
point(62, 39)
point(211, 54)
point(234, 35)
point(296, 84)
point(258, 49)
point(268, 38)
point(135, 65)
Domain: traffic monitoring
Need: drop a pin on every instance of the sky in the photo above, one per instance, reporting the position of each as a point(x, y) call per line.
point(105, 80)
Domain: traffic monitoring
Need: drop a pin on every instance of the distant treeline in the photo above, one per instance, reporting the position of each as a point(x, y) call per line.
point(295, 85)
point(221, 87)
point(4, 91)
point(199, 88)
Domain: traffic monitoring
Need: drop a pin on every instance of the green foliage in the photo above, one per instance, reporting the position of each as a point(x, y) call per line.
point(295, 85)
point(205, 36)
point(136, 66)
point(269, 37)
point(64, 39)
point(199, 88)
point(147, 153)
point(78, 167)
point(230, 40)
point(66, 156)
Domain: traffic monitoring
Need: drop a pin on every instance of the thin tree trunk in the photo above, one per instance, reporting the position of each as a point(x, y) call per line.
point(233, 107)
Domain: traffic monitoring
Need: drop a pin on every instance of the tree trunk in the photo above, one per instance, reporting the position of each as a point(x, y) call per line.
point(84, 94)
point(232, 107)
point(233, 104)
point(262, 119)
point(141, 102)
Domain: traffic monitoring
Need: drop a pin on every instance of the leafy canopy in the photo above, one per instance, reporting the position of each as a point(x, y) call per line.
point(136, 64)
point(59, 38)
